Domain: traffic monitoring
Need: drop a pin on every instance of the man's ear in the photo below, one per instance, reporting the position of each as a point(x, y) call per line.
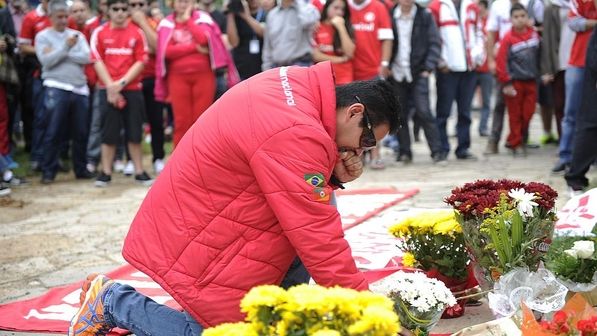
point(355, 110)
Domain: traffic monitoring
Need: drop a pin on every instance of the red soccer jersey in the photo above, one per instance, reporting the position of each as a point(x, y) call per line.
point(34, 22)
point(324, 41)
point(119, 49)
point(578, 53)
point(371, 22)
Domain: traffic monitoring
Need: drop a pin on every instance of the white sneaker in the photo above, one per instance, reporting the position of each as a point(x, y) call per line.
point(118, 166)
point(158, 166)
point(573, 193)
point(4, 190)
point(129, 170)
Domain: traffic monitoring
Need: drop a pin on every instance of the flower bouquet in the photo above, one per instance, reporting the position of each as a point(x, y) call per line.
point(312, 310)
point(573, 260)
point(506, 224)
point(577, 318)
point(433, 242)
point(418, 300)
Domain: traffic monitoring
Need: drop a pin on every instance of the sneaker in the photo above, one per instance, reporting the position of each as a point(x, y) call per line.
point(158, 166)
point(491, 149)
point(85, 175)
point(467, 156)
point(573, 192)
point(559, 168)
point(377, 164)
point(404, 158)
point(144, 179)
point(4, 190)
point(16, 181)
point(129, 169)
point(89, 319)
point(47, 180)
point(440, 159)
point(118, 166)
point(547, 139)
point(103, 180)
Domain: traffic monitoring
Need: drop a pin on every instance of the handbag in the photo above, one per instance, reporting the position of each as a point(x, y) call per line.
point(8, 70)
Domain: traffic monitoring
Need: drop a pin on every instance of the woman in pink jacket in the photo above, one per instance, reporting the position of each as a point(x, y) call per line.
point(183, 62)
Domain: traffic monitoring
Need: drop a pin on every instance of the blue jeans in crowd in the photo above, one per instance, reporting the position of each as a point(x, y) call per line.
point(40, 122)
point(459, 86)
point(64, 110)
point(574, 86)
point(485, 81)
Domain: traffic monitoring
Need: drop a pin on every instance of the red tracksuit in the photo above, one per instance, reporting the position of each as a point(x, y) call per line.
point(517, 64)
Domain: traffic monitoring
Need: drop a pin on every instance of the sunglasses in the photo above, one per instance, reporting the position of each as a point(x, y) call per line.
point(119, 9)
point(367, 140)
point(136, 4)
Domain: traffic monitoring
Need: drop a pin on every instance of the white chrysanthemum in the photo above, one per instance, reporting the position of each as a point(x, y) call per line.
point(584, 249)
point(524, 201)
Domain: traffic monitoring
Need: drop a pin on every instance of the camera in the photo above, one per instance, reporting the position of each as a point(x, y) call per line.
point(235, 6)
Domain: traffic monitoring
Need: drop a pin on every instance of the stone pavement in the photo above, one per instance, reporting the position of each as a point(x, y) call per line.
point(61, 232)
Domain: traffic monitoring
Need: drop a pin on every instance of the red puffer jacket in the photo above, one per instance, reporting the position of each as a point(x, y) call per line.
point(245, 192)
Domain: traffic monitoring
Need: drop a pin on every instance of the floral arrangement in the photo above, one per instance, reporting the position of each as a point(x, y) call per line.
point(433, 240)
point(574, 261)
point(577, 318)
point(312, 310)
point(506, 224)
point(418, 300)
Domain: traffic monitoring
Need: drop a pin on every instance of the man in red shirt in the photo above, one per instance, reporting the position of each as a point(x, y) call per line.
point(373, 40)
point(118, 49)
point(33, 119)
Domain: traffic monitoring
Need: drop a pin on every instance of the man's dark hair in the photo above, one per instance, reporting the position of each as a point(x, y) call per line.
point(516, 7)
point(113, 2)
point(484, 3)
point(377, 96)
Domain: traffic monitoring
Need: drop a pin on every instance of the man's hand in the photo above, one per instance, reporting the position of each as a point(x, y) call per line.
point(113, 90)
point(384, 71)
point(349, 167)
point(202, 50)
point(547, 78)
point(138, 17)
point(491, 65)
point(72, 40)
point(3, 45)
point(509, 90)
point(425, 74)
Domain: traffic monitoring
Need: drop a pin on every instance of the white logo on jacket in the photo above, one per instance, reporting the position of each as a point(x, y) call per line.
point(286, 86)
point(369, 17)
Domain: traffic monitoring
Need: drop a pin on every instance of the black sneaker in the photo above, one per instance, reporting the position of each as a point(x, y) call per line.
point(103, 180)
point(467, 156)
point(85, 175)
point(144, 179)
point(559, 168)
point(404, 158)
point(440, 159)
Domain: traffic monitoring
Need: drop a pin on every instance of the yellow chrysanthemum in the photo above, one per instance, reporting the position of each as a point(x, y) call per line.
point(376, 321)
point(327, 332)
point(262, 297)
point(227, 329)
point(447, 227)
point(400, 229)
point(408, 259)
point(309, 298)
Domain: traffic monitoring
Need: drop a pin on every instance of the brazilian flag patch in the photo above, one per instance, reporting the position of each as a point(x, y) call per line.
point(315, 180)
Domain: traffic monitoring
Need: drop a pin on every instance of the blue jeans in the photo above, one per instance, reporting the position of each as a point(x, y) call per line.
point(64, 110)
point(485, 81)
point(126, 308)
point(574, 83)
point(459, 86)
point(40, 121)
point(3, 164)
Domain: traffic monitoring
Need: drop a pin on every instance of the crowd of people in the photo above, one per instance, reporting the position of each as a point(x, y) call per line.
point(73, 82)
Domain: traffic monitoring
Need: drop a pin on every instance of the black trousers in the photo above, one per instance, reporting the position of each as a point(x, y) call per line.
point(416, 95)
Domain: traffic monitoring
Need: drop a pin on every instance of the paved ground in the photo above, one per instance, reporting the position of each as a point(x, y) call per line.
point(55, 235)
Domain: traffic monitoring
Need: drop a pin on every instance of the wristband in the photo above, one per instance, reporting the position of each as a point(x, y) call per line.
point(335, 182)
point(385, 63)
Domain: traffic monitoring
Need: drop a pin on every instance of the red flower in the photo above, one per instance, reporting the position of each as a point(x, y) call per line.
point(560, 317)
